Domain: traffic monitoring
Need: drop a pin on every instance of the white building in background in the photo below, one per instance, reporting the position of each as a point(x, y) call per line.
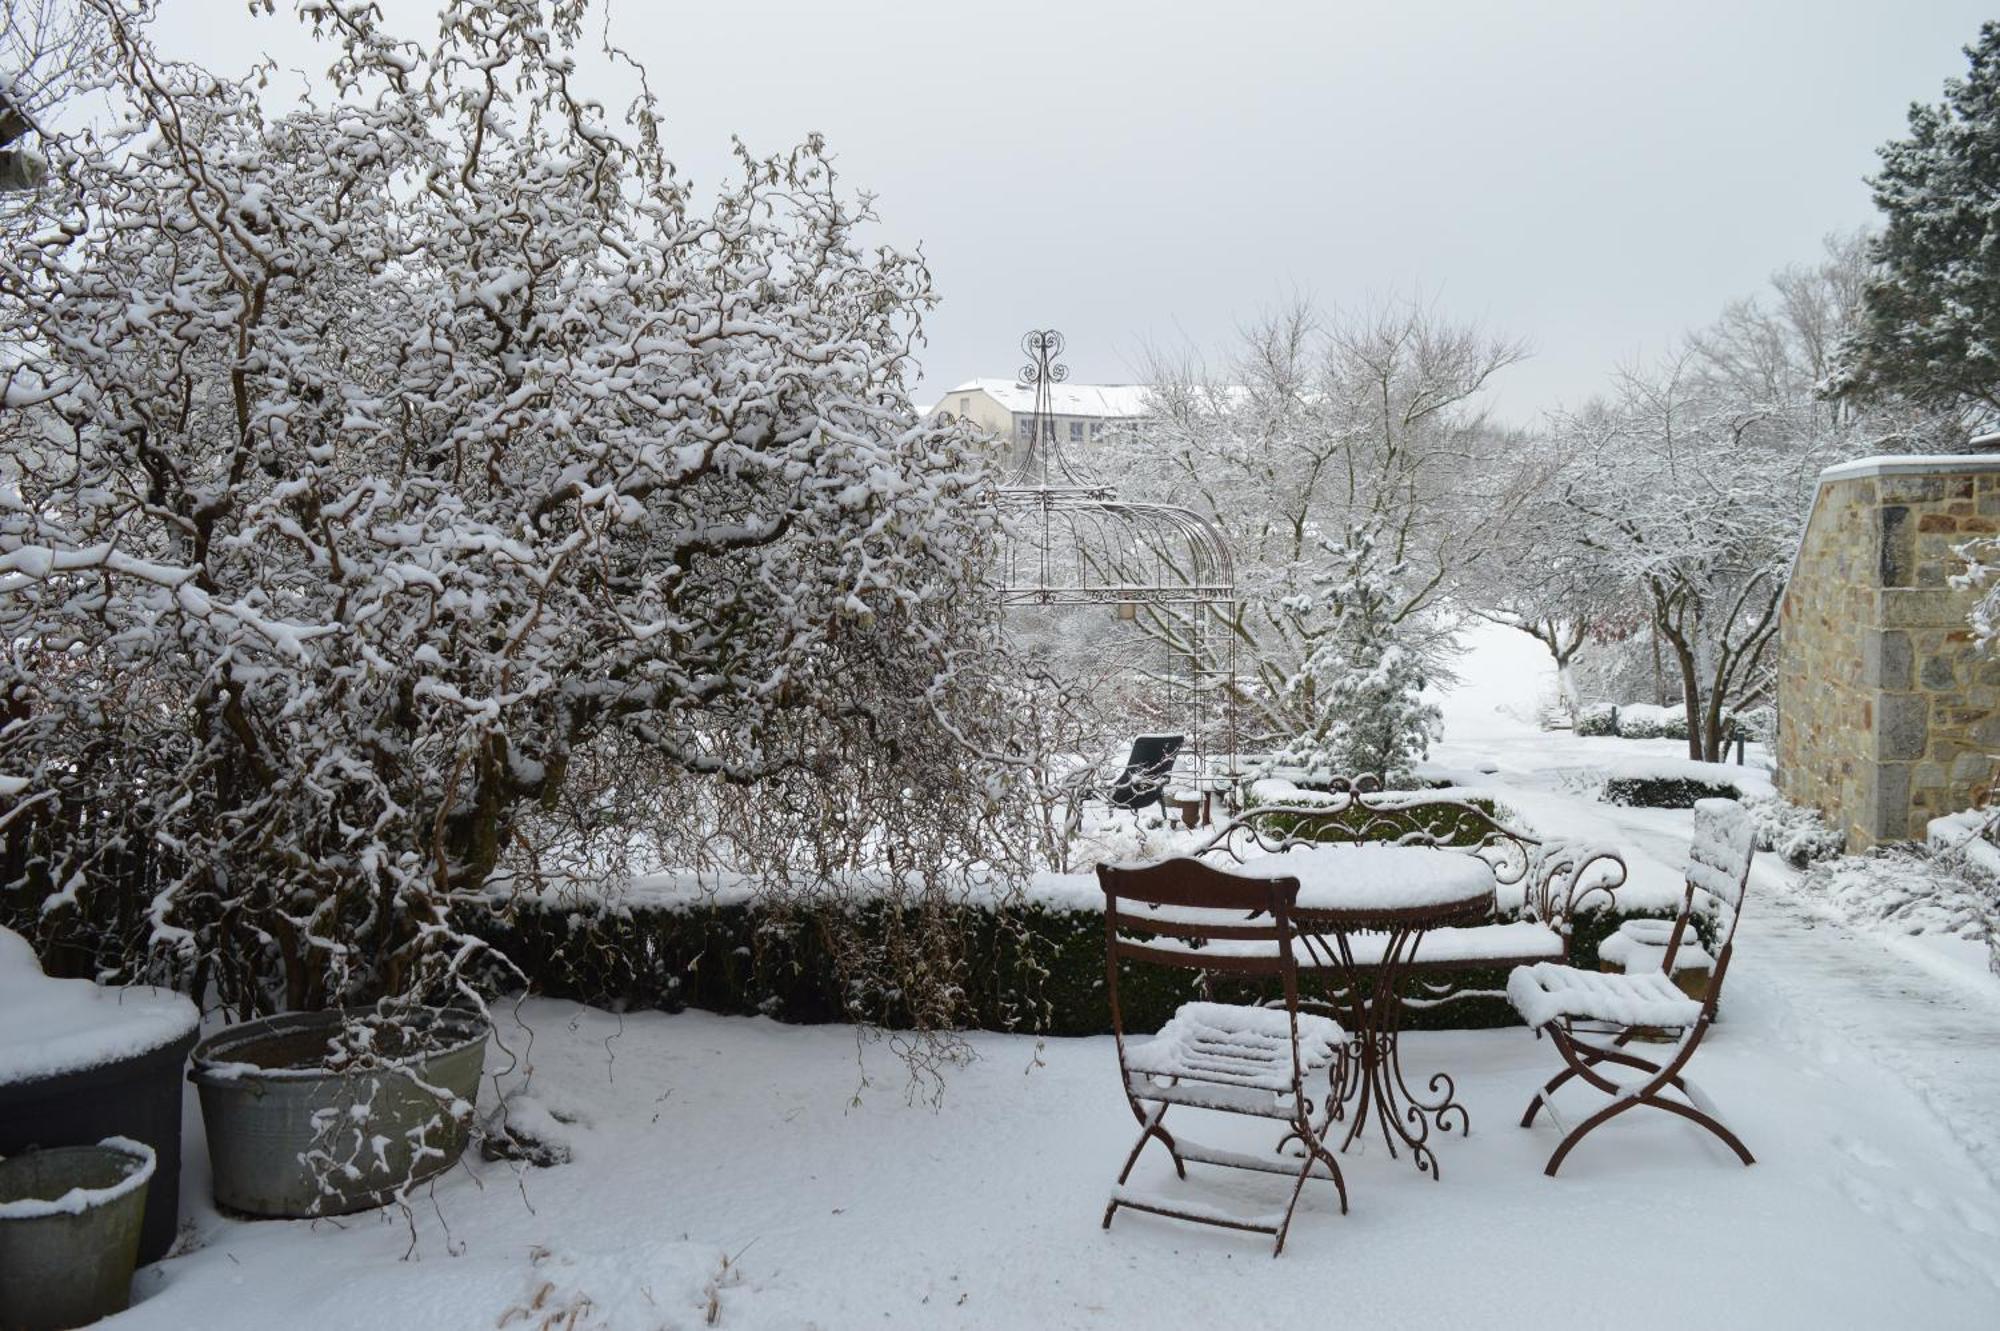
point(1081, 414)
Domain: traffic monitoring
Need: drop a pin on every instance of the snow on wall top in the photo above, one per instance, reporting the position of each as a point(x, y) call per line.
point(1911, 464)
point(1120, 401)
point(54, 1027)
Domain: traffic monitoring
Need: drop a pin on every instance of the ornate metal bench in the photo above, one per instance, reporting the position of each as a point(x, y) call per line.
point(1552, 877)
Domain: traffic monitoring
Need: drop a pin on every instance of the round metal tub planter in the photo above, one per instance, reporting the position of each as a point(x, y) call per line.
point(70, 1218)
point(290, 1137)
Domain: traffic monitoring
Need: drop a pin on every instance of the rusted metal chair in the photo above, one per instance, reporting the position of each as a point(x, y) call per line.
point(1593, 1017)
point(1230, 1058)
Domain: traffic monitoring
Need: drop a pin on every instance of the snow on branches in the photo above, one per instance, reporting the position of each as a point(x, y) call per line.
point(373, 469)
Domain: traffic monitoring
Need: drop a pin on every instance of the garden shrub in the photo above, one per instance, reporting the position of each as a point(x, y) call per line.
point(1665, 792)
point(1597, 720)
point(1038, 968)
point(1647, 721)
point(1642, 721)
point(1797, 834)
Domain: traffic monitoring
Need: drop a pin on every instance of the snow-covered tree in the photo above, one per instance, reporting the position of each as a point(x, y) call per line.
point(1361, 687)
point(1932, 331)
point(382, 478)
point(1661, 519)
point(1321, 439)
point(1694, 499)
point(39, 44)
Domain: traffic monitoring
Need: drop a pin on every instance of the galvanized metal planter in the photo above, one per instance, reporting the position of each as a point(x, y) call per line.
point(288, 1137)
point(69, 1232)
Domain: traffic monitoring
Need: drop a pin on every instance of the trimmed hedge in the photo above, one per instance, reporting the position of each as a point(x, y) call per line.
point(1663, 792)
point(1642, 721)
point(1036, 969)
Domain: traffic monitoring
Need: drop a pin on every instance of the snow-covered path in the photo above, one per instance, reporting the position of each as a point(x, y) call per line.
point(1925, 1010)
point(725, 1170)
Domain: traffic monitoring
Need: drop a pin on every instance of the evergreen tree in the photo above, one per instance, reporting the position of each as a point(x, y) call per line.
point(1364, 686)
point(1931, 330)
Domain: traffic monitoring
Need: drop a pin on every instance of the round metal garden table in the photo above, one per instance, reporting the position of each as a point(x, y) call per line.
point(1362, 912)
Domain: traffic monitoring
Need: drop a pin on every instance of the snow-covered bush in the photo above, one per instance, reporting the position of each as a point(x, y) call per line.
point(1916, 889)
point(1796, 833)
point(1361, 687)
point(1646, 721)
point(1677, 783)
point(397, 491)
point(1597, 720)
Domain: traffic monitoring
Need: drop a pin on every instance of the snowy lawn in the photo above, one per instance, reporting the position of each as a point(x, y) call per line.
point(724, 1168)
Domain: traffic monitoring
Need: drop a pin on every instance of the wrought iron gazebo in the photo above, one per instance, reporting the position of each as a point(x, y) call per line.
point(1072, 542)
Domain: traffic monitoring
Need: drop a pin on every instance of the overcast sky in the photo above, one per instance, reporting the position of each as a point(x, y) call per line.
point(1595, 177)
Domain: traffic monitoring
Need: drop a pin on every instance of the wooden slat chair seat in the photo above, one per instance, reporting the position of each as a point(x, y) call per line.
point(1592, 1017)
point(1544, 993)
point(1224, 1044)
point(1222, 1057)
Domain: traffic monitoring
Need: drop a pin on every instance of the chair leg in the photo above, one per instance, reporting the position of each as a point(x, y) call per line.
point(1316, 1153)
point(1596, 1054)
point(1709, 1121)
point(1647, 1093)
point(1149, 1128)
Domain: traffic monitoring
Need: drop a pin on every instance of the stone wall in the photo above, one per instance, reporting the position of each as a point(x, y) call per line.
point(1888, 715)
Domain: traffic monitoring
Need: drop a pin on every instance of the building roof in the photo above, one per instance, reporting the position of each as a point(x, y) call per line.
point(1121, 401)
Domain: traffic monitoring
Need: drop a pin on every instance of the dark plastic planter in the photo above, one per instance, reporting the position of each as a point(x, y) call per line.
point(64, 1265)
point(137, 1097)
point(260, 1113)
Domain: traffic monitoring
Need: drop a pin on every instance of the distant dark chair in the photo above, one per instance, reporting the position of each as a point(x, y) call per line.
point(1146, 771)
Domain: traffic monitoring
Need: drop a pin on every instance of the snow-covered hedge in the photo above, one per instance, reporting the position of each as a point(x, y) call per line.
point(1676, 783)
point(1641, 720)
point(1041, 964)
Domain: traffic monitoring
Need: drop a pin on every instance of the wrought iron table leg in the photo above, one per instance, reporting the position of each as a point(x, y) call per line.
point(1372, 1077)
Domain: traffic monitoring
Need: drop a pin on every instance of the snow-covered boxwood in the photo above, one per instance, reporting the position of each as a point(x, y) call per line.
point(1599, 720)
point(1040, 969)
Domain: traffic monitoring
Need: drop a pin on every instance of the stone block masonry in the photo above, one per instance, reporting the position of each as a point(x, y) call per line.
point(1888, 714)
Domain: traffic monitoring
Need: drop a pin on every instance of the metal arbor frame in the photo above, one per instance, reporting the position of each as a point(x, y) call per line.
point(1070, 541)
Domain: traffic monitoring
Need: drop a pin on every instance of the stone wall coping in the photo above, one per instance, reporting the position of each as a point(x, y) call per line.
point(1889, 464)
point(1912, 464)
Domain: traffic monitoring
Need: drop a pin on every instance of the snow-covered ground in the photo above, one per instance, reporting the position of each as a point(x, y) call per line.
point(747, 1174)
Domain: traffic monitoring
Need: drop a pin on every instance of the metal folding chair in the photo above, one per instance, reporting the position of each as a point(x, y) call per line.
point(1222, 1057)
point(1593, 1017)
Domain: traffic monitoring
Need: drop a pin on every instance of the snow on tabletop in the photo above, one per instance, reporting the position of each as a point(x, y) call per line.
point(54, 1027)
point(1375, 877)
point(139, 1162)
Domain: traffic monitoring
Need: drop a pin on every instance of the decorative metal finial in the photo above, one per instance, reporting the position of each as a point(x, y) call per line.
point(1043, 463)
point(1042, 346)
